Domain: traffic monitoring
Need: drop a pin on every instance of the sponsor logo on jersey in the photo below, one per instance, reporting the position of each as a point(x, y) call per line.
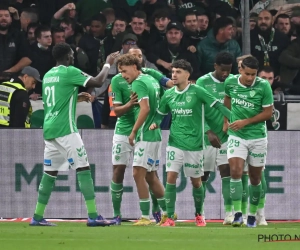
point(50, 115)
point(188, 165)
point(242, 96)
point(258, 155)
point(182, 111)
point(180, 103)
point(242, 103)
point(71, 161)
point(47, 162)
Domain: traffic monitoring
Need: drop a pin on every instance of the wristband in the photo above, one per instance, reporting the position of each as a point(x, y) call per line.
point(106, 65)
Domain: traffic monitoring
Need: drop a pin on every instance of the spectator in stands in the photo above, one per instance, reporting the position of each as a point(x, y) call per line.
point(137, 27)
point(28, 16)
point(30, 32)
point(283, 24)
point(166, 52)
point(160, 19)
point(41, 57)
point(203, 23)
point(150, 6)
point(267, 43)
point(93, 43)
point(68, 12)
point(218, 39)
point(58, 35)
point(14, 48)
point(88, 8)
point(267, 73)
point(253, 20)
point(191, 33)
point(71, 36)
point(110, 16)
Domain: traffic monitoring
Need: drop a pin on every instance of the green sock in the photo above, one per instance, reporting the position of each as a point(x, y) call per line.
point(86, 185)
point(170, 196)
point(255, 192)
point(155, 206)
point(198, 194)
point(204, 195)
point(236, 193)
point(116, 190)
point(162, 204)
point(145, 207)
point(226, 194)
point(45, 189)
point(262, 199)
point(245, 197)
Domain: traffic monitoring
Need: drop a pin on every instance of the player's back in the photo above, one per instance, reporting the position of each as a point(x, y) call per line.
point(147, 87)
point(60, 91)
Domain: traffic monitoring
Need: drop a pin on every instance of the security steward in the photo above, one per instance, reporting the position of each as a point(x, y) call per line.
point(15, 107)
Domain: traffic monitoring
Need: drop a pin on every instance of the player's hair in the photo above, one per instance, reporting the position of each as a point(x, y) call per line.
point(183, 64)
point(38, 31)
point(283, 16)
point(224, 58)
point(267, 69)
point(135, 47)
point(220, 23)
point(140, 14)
point(128, 60)
point(121, 18)
point(100, 18)
point(60, 51)
point(250, 62)
point(32, 14)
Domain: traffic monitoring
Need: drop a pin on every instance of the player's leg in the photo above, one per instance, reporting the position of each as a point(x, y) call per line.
point(237, 152)
point(257, 160)
point(245, 199)
point(73, 149)
point(53, 161)
point(260, 216)
point(193, 168)
point(155, 204)
point(121, 152)
point(174, 162)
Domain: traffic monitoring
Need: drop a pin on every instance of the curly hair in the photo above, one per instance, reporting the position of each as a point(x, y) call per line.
point(128, 60)
point(183, 64)
point(224, 58)
point(60, 51)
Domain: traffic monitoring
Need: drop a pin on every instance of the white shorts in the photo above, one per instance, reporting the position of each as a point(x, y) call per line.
point(214, 157)
point(147, 155)
point(254, 152)
point(64, 152)
point(121, 150)
point(191, 161)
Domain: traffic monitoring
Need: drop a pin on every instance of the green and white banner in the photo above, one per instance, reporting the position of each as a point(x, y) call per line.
point(21, 163)
point(84, 115)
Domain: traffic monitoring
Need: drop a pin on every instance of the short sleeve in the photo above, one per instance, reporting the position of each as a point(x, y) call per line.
point(115, 91)
point(141, 89)
point(226, 86)
point(76, 77)
point(154, 73)
point(163, 108)
point(200, 83)
point(267, 99)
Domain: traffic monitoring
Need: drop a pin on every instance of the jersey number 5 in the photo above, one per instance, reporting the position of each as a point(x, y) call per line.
point(49, 92)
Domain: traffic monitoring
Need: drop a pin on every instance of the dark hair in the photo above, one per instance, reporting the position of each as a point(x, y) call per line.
point(140, 14)
point(160, 13)
point(267, 69)
point(284, 16)
point(41, 28)
point(69, 21)
point(32, 25)
point(128, 60)
point(250, 62)
point(183, 64)
point(120, 18)
point(99, 17)
point(4, 7)
point(189, 13)
point(224, 58)
point(221, 23)
point(57, 30)
point(60, 51)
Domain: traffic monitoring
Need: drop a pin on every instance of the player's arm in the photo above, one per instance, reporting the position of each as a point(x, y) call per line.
point(98, 80)
point(121, 109)
point(163, 80)
point(161, 112)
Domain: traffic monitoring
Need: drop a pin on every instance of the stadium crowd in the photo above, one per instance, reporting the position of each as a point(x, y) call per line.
point(166, 30)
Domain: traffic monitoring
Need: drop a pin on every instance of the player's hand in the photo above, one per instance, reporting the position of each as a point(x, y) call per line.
point(84, 97)
point(112, 57)
point(214, 139)
point(131, 138)
point(237, 125)
point(133, 99)
point(34, 96)
point(225, 126)
point(153, 126)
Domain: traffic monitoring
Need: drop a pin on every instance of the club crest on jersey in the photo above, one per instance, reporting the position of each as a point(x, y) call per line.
point(252, 93)
point(188, 98)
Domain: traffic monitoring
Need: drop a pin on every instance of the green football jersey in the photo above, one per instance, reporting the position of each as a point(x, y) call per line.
point(121, 92)
point(187, 126)
point(214, 118)
point(60, 93)
point(146, 87)
point(247, 102)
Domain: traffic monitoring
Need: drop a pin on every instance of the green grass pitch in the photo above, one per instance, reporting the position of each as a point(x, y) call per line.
point(76, 235)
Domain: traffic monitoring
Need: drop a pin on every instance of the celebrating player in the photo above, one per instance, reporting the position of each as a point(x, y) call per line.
point(251, 101)
point(215, 153)
point(123, 103)
point(185, 145)
point(148, 143)
point(63, 144)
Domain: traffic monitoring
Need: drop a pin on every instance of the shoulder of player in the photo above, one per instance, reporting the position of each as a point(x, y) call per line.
point(118, 79)
point(261, 82)
point(231, 80)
